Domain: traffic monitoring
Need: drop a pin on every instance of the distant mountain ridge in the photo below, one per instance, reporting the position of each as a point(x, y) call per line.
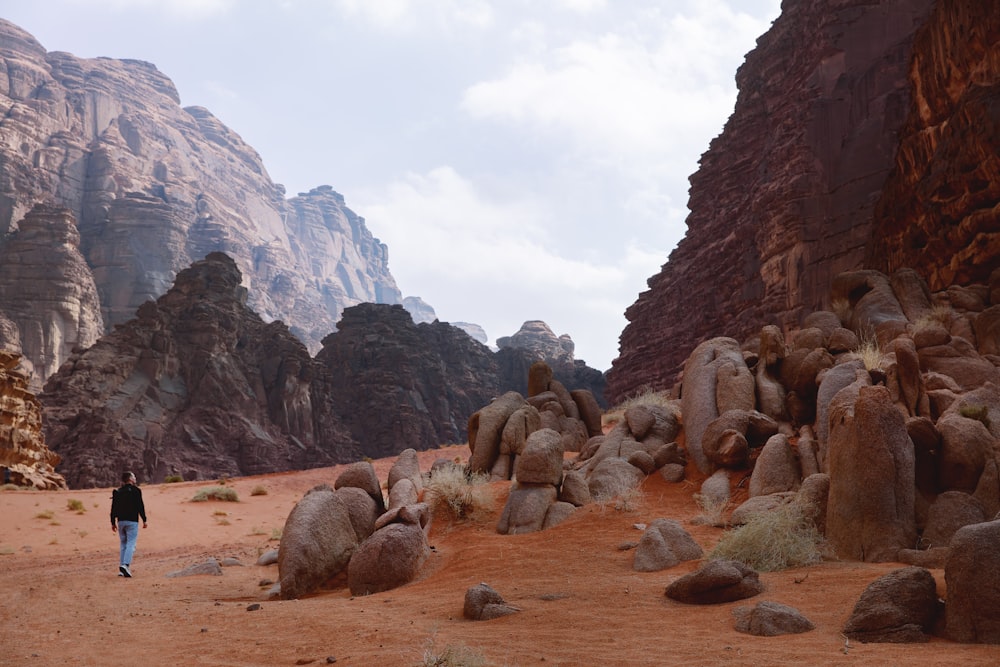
point(151, 188)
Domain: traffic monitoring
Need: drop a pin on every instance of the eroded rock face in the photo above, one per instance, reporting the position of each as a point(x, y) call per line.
point(395, 384)
point(154, 186)
point(47, 291)
point(196, 385)
point(867, 144)
point(24, 458)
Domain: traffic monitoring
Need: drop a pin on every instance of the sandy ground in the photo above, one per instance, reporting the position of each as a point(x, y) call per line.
point(61, 602)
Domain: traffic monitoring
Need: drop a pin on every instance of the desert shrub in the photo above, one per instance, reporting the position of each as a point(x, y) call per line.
point(465, 496)
point(10, 487)
point(276, 534)
point(620, 496)
point(453, 656)
point(645, 396)
point(842, 309)
point(869, 353)
point(6, 550)
point(977, 412)
point(173, 479)
point(776, 540)
point(216, 493)
point(258, 491)
point(713, 510)
point(74, 505)
point(45, 514)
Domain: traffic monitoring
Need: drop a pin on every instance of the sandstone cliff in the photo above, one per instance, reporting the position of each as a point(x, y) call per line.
point(24, 458)
point(837, 98)
point(152, 187)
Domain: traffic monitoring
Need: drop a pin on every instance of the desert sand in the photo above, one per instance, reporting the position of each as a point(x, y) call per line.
point(581, 602)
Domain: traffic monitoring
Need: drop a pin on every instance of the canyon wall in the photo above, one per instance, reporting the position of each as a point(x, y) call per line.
point(864, 135)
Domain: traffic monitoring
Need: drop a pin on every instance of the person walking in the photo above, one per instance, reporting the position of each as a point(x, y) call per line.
point(126, 508)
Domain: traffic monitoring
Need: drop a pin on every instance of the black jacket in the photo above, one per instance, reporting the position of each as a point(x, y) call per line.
point(126, 504)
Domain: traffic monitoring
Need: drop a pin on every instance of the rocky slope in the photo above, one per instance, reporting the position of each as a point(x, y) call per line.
point(198, 385)
point(152, 187)
point(861, 136)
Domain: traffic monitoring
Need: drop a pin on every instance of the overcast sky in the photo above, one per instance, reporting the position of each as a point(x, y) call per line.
point(522, 159)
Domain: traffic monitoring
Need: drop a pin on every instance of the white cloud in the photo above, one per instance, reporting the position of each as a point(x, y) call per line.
point(413, 15)
point(492, 262)
point(178, 9)
point(582, 6)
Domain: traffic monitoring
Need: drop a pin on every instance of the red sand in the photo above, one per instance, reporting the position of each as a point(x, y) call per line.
point(581, 601)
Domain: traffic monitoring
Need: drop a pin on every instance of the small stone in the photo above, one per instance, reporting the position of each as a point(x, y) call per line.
point(253, 607)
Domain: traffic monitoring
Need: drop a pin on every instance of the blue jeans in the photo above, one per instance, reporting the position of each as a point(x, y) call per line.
point(128, 533)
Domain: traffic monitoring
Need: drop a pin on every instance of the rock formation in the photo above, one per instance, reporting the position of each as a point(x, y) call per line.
point(864, 135)
point(395, 384)
point(196, 385)
point(535, 341)
point(24, 458)
point(154, 186)
point(47, 291)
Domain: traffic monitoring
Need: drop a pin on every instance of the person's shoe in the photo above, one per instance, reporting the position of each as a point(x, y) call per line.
point(124, 571)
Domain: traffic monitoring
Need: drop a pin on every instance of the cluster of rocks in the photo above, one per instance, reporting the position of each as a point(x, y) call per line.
point(907, 439)
point(350, 530)
point(526, 439)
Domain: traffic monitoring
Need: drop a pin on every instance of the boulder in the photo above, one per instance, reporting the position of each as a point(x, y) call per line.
point(770, 619)
point(776, 468)
point(361, 475)
point(526, 508)
point(716, 379)
point(406, 466)
point(830, 384)
point(590, 410)
point(391, 557)
point(317, 542)
point(972, 578)
point(870, 515)
point(898, 607)
point(613, 477)
point(483, 603)
point(486, 427)
point(663, 545)
point(542, 460)
point(558, 512)
point(716, 581)
point(759, 505)
point(574, 489)
point(950, 511)
point(966, 444)
point(521, 424)
point(403, 493)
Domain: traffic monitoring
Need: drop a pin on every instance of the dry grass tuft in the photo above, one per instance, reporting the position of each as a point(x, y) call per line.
point(258, 490)
point(622, 497)
point(645, 396)
point(74, 505)
point(713, 511)
point(869, 353)
point(464, 496)
point(452, 656)
point(842, 309)
point(772, 541)
point(216, 493)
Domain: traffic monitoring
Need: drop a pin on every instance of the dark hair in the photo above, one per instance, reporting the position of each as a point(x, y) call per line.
point(126, 476)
